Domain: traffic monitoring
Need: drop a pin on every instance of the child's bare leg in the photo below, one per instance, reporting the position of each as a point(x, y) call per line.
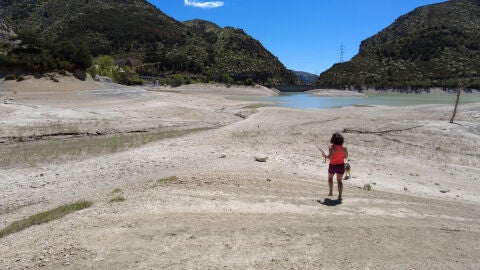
point(340, 185)
point(330, 184)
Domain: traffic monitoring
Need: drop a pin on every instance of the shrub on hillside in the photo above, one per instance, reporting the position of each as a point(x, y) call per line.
point(125, 75)
point(226, 78)
point(177, 80)
point(249, 82)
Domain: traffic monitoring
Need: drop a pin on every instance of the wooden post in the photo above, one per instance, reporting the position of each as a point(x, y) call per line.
point(459, 90)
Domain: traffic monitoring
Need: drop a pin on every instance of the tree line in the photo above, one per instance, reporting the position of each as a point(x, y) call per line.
point(33, 53)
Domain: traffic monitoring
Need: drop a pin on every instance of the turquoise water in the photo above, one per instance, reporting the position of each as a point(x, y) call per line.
point(307, 101)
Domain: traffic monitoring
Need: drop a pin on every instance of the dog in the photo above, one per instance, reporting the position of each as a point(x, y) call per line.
point(348, 171)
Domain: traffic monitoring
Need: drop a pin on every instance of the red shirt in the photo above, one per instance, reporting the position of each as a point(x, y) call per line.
point(338, 157)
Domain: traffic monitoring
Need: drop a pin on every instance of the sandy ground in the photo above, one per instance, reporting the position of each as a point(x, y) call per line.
point(224, 210)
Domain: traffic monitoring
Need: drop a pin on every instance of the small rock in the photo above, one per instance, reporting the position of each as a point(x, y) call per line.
point(261, 159)
point(367, 187)
point(222, 156)
point(405, 188)
point(10, 77)
point(269, 180)
point(437, 184)
point(445, 190)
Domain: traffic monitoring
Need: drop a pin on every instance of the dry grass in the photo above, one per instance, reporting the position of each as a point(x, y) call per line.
point(257, 105)
point(117, 199)
point(29, 154)
point(167, 179)
point(159, 182)
point(44, 217)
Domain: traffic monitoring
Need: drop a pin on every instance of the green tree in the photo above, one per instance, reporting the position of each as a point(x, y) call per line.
point(82, 58)
point(104, 61)
point(125, 75)
point(249, 82)
point(31, 38)
point(226, 78)
point(103, 66)
point(178, 80)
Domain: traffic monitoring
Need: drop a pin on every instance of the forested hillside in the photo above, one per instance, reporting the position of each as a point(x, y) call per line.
point(67, 34)
point(433, 46)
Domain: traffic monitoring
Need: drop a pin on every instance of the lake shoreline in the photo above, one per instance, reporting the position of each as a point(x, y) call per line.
point(432, 91)
point(339, 99)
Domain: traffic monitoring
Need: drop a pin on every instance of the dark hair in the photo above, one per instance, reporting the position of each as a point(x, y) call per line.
point(337, 139)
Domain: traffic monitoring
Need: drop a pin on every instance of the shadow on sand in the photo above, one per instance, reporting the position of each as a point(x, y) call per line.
point(329, 202)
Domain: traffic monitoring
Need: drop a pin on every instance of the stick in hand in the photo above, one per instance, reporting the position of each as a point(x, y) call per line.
point(323, 153)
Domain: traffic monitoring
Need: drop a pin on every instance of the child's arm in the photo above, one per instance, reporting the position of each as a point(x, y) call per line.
point(330, 152)
point(323, 152)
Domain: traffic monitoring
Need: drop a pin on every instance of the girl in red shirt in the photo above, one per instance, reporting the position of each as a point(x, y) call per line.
point(337, 153)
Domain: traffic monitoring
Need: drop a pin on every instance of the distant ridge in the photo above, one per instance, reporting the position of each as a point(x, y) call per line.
point(433, 46)
point(305, 77)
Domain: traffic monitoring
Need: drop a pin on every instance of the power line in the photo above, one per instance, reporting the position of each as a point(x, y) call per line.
point(342, 52)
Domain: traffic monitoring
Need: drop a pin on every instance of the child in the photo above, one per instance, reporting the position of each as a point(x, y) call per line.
point(337, 154)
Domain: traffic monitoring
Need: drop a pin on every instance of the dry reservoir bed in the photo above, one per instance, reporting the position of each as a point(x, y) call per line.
point(196, 198)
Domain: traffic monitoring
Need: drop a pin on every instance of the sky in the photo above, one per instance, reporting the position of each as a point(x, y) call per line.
point(306, 35)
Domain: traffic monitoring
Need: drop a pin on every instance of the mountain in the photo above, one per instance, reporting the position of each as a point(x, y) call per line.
point(305, 77)
point(433, 46)
point(231, 51)
point(136, 33)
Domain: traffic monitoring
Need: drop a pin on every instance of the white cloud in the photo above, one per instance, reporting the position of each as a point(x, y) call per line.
point(195, 3)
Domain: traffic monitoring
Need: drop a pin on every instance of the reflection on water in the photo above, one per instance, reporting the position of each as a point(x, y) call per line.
point(307, 101)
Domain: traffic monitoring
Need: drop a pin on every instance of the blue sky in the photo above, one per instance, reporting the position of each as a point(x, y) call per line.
point(306, 35)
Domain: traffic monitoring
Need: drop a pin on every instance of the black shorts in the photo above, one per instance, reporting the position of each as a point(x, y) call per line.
point(338, 168)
